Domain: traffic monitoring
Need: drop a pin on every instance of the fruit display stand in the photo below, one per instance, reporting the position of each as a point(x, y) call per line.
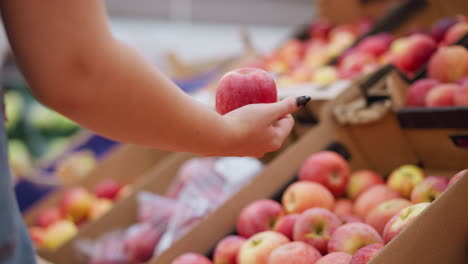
point(124, 214)
point(442, 243)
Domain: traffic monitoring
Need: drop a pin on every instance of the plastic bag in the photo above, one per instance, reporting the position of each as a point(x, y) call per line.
point(205, 191)
point(154, 208)
point(108, 249)
point(192, 169)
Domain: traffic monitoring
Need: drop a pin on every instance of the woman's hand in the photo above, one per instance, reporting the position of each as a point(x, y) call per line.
point(261, 128)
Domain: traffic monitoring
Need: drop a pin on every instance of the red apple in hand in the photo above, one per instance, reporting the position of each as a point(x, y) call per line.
point(372, 198)
point(365, 254)
point(285, 225)
point(245, 86)
point(301, 196)
point(380, 215)
point(327, 168)
point(191, 258)
point(335, 258)
point(108, 189)
point(48, 216)
point(259, 216)
point(227, 250)
point(257, 249)
point(294, 253)
point(429, 189)
point(350, 238)
point(315, 227)
point(401, 220)
point(456, 177)
point(361, 181)
point(417, 92)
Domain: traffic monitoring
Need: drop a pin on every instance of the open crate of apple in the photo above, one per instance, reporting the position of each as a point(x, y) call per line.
point(329, 216)
point(54, 225)
point(306, 63)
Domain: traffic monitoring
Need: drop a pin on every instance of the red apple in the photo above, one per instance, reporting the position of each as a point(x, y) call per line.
point(285, 225)
point(376, 45)
point(320, 30)
point(245, 86)
point(461, 95)
point(335, 258)
point(294, 253)
point(456, 32)
point(346, 219)
point(442, 95)
point(401, 220)
point(350, 238)
point(456, 177)
point(108, 189)
point(37, 235)
point(76, 203)
point(58, 234)
point(315, 227)
point(258, 216)
point(291, 52)
point(191, 258)
point(48, 216)
point(356, 62)
point(417, 92)
point(227, 250)
point(361, 181)
point(140, 242)
point(440, 27)
point(365, 254)
point(448, 64)
point(257, 249)
point(404, 179)
point(325, 75)
point(429, 189)
point(417, 49)
point(99, 208)
point(304, 195)
point(327, 168)
point(381, 214)
point(372, 198)
point(343, 207)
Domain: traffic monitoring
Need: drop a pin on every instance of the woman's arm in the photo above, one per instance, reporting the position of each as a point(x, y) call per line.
point(74, 65)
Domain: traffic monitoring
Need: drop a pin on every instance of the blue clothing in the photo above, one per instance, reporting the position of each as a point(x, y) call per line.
point(15, 245)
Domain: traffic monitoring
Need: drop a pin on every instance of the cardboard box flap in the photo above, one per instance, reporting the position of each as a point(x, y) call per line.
point(439, 235)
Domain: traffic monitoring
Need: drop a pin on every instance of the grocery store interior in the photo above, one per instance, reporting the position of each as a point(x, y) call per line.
point(342, 137)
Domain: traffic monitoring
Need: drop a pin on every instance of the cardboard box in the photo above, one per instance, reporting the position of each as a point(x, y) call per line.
point(124, 213)
point(126, 164)
point(448, 214)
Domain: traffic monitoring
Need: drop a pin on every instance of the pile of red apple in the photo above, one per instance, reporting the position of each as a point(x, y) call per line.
point(56, 225)
point(304, 62)
point(447, 82)
point(301, 61)
point(329, 216)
